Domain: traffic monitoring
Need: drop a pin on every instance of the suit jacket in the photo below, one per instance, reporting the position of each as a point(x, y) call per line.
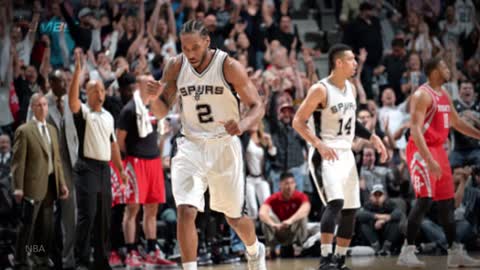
point(55, 118)
point(30, 161)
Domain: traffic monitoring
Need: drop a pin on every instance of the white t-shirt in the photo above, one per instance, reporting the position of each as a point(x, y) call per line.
point(99, 133)
point(396, 117)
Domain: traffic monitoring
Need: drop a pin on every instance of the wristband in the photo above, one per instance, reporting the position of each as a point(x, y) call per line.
point(361, 131)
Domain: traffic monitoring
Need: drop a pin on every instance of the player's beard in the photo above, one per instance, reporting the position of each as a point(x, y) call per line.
point(202, 60)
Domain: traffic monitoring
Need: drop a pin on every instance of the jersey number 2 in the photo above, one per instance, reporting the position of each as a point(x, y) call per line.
point(348, 127)
point(204, 113)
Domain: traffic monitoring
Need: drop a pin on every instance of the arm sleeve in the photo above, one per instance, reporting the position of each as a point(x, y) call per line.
point(361, 131)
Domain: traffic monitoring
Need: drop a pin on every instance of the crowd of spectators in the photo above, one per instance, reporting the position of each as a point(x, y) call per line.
point(122, 40)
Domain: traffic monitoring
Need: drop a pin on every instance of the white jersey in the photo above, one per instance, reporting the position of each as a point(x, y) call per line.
point(335, 124)
point(206, 99)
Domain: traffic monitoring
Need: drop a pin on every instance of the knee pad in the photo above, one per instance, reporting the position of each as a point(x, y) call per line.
point(330, 215)
point(347, 224)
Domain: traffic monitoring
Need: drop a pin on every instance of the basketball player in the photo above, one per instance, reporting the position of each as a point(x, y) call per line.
point(432, 115)
point(331, 161)
point(209, 154)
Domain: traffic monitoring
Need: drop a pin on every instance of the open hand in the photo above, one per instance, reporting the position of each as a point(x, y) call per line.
point(326, 152)
point(434, 168)
point(378, 144)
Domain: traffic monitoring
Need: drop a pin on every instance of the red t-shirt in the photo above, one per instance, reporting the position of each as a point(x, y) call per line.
point(284, 209)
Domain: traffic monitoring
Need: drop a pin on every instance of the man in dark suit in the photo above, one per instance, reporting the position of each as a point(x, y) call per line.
point(37, 181)
point(5, 155)
point(60, 116)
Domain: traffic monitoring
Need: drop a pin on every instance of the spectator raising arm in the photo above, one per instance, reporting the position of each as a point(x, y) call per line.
point(73, 95)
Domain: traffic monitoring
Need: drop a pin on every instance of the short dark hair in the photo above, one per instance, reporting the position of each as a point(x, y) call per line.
point(431, 65)
point(465, 81)
point(286, 175)
point(398, 42)
point(335, 52)
point(364, 108)
point(194, 26)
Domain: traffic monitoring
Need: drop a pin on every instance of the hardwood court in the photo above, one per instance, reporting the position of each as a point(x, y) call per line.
point(355, 263)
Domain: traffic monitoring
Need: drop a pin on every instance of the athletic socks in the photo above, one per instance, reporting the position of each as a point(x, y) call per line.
point(189, 266)
point(253, 249)
point(151, 245)
point(131, 247)
point(341, 251)
point(326, 249)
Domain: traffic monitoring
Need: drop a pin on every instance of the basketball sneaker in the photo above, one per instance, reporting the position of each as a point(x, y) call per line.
point(114, 260)
point(327, 263)
point(134, 261)
point(257, 262)
point(408, 258)
point(154, 260)
point(458, 257)
point(340, 262)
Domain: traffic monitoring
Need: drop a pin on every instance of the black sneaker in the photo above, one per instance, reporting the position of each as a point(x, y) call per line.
point(340, 262)
point(327, 263)
point(204, 259)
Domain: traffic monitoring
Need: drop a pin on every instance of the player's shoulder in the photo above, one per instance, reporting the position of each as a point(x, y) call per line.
point(421, 93)
point(230, 63)
point(318, 89)
point(319, 86)
point(421, 96)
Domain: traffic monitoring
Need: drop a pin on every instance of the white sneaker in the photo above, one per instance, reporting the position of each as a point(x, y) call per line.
point(458, 257)
point(257, 262)
point(408, 258)
point(311, 241)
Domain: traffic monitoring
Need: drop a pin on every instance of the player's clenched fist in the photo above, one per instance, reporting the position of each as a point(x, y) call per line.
point(233, 127)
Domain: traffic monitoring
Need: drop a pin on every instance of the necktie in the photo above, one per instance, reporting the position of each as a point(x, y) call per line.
point(60, 106)
point(49, 148)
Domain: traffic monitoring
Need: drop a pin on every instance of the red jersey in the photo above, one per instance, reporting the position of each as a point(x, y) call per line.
point(436, 125)
point(284, 209)
point(435, 130)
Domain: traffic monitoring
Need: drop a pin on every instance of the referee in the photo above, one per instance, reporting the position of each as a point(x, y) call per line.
point(97, 146)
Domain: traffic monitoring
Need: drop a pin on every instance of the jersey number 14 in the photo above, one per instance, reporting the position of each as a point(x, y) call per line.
point(345, 130)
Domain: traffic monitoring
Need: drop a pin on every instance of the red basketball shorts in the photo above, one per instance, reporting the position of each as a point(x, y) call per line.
point(146, 184)
point(425, 184)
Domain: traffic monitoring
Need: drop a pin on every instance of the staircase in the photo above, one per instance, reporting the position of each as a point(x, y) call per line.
point(307, 21)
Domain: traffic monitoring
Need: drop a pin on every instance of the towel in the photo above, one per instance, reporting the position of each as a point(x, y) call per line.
point(143, 117)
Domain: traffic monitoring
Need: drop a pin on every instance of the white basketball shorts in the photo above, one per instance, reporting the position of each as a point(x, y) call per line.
point(216, 164)
point(336, 179)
